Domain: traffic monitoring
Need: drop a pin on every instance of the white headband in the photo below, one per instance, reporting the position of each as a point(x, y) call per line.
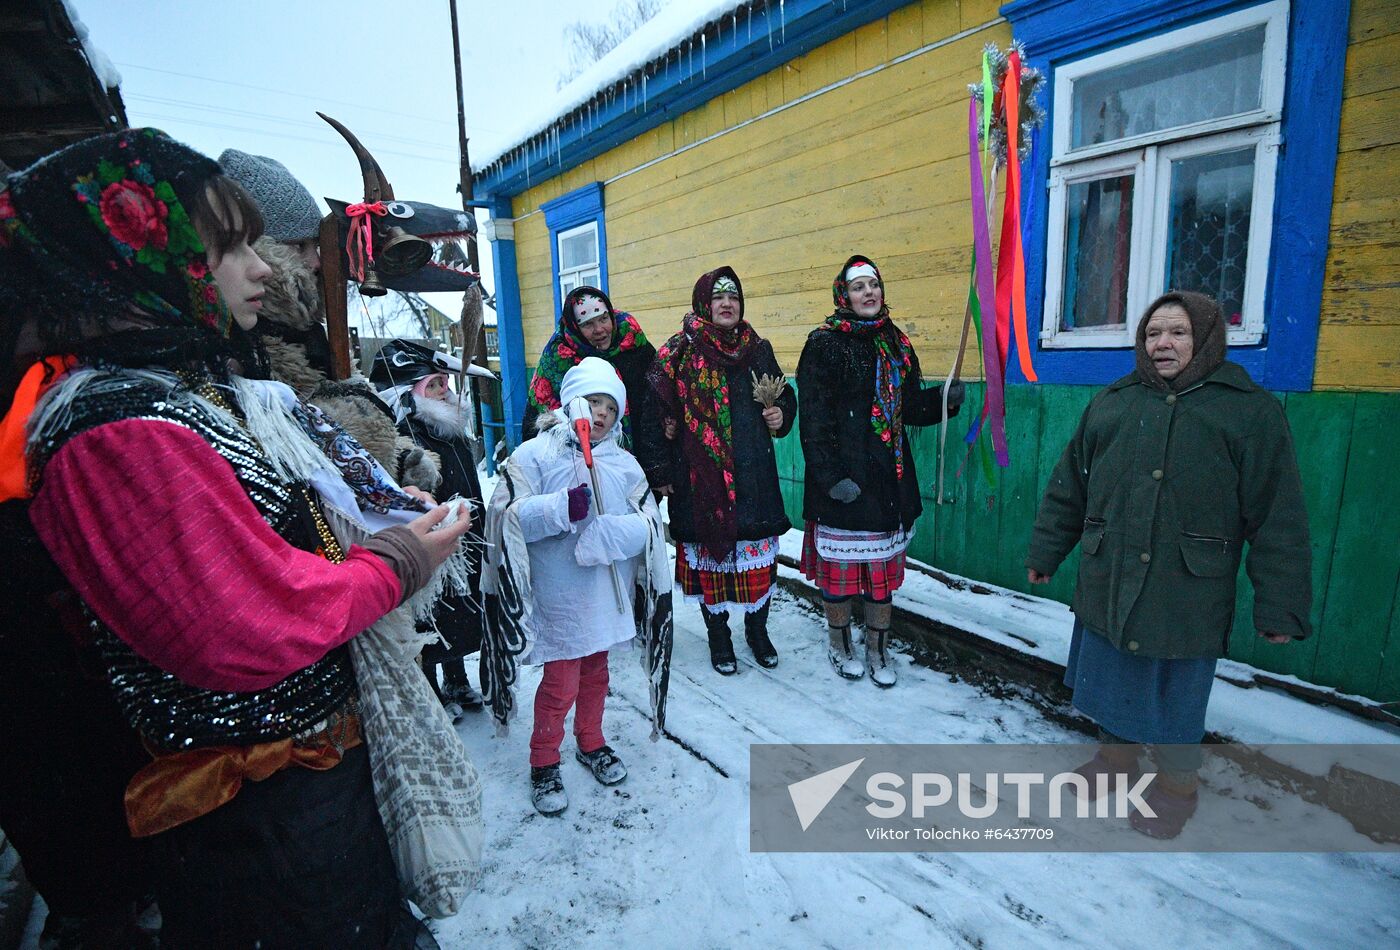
point(860, 270)
point(588, 307)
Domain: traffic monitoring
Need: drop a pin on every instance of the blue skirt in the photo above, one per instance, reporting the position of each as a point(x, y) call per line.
point(1139, 698)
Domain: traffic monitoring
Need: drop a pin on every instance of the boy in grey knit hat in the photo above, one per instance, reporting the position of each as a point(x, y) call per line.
point(292, 215)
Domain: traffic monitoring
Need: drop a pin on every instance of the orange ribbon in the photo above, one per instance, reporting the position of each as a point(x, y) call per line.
point(183, 786)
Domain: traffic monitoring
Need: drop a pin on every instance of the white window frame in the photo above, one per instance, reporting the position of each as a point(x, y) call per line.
point(595, 268)
point(1149, 156)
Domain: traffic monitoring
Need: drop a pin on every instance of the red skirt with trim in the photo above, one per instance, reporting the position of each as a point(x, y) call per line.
point(725, 587)
point(876, 580)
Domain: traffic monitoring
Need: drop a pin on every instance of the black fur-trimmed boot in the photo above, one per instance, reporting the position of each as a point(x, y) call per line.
point(756, 633)
point(721, 648)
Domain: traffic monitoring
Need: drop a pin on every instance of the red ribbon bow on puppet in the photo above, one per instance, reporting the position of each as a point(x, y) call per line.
point(360, 227)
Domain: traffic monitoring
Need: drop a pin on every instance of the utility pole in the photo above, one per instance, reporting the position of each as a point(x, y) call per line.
point(464, 186)
point(465, 170)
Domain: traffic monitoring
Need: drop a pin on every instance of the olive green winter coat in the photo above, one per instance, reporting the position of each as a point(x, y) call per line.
point(1162, 491)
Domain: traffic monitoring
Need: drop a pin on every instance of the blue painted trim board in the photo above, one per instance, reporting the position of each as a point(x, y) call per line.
point(1059, 31)
point(510, 334)
point(746, 48)
point(579, 206)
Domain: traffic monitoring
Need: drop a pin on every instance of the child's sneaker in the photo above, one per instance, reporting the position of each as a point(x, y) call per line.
point(547, 790)
point(603, 762)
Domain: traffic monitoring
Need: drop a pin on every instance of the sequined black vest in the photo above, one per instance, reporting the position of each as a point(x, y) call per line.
point(167, 712)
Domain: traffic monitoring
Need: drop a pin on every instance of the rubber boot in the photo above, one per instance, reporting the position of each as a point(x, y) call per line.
point(721, 649)
point(877, 638)
point(840, 650)
point(756, 633)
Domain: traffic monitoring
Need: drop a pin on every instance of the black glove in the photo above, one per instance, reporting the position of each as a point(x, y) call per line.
point(845, 491)
point(957, 392)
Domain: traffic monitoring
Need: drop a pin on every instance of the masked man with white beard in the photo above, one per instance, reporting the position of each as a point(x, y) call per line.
point(413, 380)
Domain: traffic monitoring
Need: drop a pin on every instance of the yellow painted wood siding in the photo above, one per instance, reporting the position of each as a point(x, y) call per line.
point(877, 166)
point(1358, 345)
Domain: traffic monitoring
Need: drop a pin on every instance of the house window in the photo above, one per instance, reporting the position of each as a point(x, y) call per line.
point(578, 258)
point(1162, 171)
point(579, 237)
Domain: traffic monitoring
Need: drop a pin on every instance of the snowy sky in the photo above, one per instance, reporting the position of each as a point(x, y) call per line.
point(251, 75)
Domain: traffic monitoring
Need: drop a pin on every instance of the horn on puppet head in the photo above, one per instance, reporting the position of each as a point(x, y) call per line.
point(377, 187)
point(396, 251)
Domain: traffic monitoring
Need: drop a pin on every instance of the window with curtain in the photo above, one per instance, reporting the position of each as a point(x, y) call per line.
point(1162, 177)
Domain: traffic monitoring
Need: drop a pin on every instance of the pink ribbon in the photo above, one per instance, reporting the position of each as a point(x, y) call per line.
point(994, 408)
point(360, 227)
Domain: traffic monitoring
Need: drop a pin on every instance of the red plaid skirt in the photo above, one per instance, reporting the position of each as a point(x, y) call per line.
point(874, 579)
point(725, 587)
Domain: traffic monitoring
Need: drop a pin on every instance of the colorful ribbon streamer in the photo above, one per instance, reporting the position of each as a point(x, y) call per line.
point(993, 360)
point(1011, 262)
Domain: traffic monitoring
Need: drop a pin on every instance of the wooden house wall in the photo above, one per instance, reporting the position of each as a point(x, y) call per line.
point(1358, 345)
point(878, 165)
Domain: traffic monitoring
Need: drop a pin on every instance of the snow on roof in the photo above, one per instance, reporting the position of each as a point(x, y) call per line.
point(106, 73)
point(661, 34)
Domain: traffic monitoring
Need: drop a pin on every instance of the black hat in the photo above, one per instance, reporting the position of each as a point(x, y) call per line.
point(402, 361)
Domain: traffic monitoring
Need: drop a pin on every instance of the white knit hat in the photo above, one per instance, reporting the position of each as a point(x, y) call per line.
point(592, 376)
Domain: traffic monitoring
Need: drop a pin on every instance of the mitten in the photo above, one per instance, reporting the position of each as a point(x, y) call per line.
point(579, 497)
point(845, 491)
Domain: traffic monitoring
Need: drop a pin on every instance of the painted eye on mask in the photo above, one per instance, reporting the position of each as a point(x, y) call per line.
point(399, 210)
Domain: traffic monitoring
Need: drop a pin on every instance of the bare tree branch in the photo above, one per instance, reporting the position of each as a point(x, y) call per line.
point(589, 42)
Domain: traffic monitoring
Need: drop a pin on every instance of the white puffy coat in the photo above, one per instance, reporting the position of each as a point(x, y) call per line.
point(574, 611)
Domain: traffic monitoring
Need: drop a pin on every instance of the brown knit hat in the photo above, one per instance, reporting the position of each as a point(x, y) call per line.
point(1208, 337)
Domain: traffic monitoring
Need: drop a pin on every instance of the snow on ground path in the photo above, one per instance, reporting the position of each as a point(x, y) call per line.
point(663, 859)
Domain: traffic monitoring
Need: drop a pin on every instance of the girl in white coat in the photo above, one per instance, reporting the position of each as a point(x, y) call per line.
point(576, 615)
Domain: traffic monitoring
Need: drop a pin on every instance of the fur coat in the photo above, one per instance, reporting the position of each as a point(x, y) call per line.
point(293, 332)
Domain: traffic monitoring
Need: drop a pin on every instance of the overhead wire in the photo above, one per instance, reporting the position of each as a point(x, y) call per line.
point(283, 92)
point(284, 120)
point(295, 138)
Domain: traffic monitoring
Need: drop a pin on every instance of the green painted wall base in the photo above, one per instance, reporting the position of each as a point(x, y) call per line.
point(1348, 454)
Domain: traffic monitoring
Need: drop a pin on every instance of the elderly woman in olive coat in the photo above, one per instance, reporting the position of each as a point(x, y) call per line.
point(1172, 471)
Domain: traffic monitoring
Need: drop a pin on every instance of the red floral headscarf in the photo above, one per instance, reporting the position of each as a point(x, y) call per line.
point(690, 377)
point(107, 222)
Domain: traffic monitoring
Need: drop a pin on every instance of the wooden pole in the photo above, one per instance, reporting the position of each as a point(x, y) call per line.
point(333, 295)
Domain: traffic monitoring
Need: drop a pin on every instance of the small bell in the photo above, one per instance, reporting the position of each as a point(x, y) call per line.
point(370, 286)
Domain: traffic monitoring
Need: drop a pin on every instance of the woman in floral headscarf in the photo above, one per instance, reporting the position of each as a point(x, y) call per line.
point(709, 444)
point(184, 506)
point(861, 387)
point(589, 326)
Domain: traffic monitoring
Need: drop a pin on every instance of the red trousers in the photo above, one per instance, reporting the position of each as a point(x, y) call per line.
point(582, 682)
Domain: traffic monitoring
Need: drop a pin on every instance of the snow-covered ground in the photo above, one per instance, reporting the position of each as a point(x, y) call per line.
point(664, 860)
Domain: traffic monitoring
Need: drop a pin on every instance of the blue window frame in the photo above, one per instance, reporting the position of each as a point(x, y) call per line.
point(578, 240)
point(1280, 346)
